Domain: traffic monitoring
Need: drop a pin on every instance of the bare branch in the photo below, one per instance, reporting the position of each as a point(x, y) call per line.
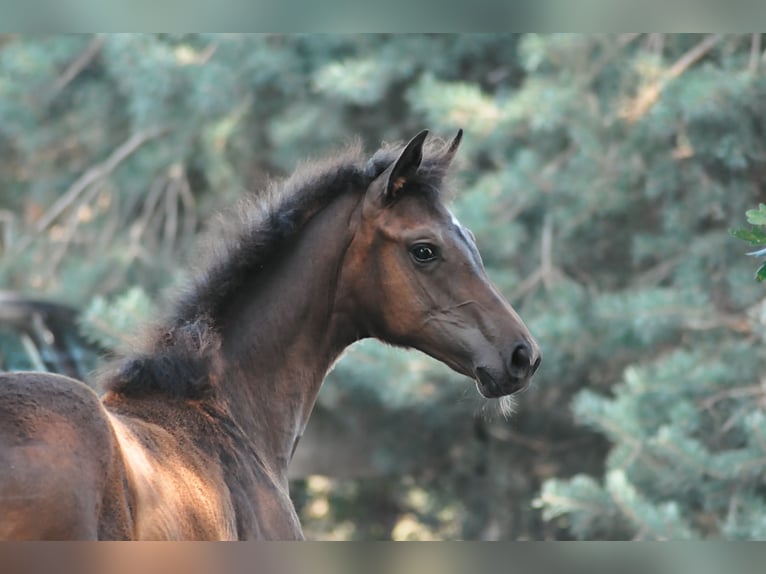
point(649, 95)
point(608, 56)
point(693, 318)
point(658, 273)
point(187, 199)
point(755, 53)
point(171, 216)
point(526, 286)
point(138, 228)
point(655, 42)
point(507, 434)
point(737, 392)
point(207, 53)
point(547, 273)
point(75, 68)
point(113, 219)
point(691, 57)
point(733, 419)
point(71, 227)
point(87, 179)
point(8, 223)
point(627, 38)
point(546, 252)
point(736, 323)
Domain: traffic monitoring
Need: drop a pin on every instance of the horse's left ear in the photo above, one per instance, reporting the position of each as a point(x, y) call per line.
point(405, 166)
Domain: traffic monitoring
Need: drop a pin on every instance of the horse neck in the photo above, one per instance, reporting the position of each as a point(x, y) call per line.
point(282, 334)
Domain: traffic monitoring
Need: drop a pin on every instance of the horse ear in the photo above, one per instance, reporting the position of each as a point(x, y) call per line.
point(405, 165)
point(454, 144)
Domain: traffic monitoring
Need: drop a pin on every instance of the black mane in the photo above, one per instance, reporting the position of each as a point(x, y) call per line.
point(176, 357)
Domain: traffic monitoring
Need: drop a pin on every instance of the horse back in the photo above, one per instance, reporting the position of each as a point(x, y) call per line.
point(62, 476)
point(73, 466)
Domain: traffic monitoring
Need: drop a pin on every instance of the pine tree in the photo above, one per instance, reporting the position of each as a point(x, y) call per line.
point(685, 419)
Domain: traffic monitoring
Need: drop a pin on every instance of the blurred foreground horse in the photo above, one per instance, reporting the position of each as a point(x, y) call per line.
point(194, 433)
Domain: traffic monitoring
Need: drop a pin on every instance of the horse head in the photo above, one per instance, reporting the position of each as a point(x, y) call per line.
point(415, 277)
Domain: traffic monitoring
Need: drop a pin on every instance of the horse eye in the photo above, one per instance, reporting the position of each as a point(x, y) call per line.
point(423, 252)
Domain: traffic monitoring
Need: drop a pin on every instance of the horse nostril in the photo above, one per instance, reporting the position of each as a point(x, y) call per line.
point(521, 360)
point(536, 365)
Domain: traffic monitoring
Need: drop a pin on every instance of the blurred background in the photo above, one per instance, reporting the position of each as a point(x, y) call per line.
point(601, 175)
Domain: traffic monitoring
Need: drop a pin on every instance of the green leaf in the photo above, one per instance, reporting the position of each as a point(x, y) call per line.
point(757, 216)
point(754, 236)
point(761, 273)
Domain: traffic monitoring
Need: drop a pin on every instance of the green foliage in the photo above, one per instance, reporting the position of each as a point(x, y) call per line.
point(612, 510)
point(687, 436)
point(673, 464)
point(600, 175)
point(109, 323)
point(755, 236)
point(757, 216)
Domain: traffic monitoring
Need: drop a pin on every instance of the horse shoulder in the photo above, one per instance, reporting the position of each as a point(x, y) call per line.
point(177, 493)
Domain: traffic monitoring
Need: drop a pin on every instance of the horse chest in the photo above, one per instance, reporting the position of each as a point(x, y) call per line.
point(267, 513)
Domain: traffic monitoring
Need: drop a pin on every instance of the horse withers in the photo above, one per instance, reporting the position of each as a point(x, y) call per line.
point(194, 432)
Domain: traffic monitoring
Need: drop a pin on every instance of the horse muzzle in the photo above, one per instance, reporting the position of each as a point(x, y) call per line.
point(493, 388)
point(523, 363)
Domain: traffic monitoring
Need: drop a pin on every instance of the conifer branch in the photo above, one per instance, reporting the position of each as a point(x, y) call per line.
point(737, 392)
point(570, 503)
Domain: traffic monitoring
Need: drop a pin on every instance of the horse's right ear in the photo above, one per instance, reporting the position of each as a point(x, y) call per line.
point(405, 166)
point(387, 186)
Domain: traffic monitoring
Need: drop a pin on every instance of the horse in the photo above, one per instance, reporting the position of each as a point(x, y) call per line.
point(192, 434)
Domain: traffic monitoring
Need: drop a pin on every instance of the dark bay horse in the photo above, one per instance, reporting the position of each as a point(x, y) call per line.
point(195, 430)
